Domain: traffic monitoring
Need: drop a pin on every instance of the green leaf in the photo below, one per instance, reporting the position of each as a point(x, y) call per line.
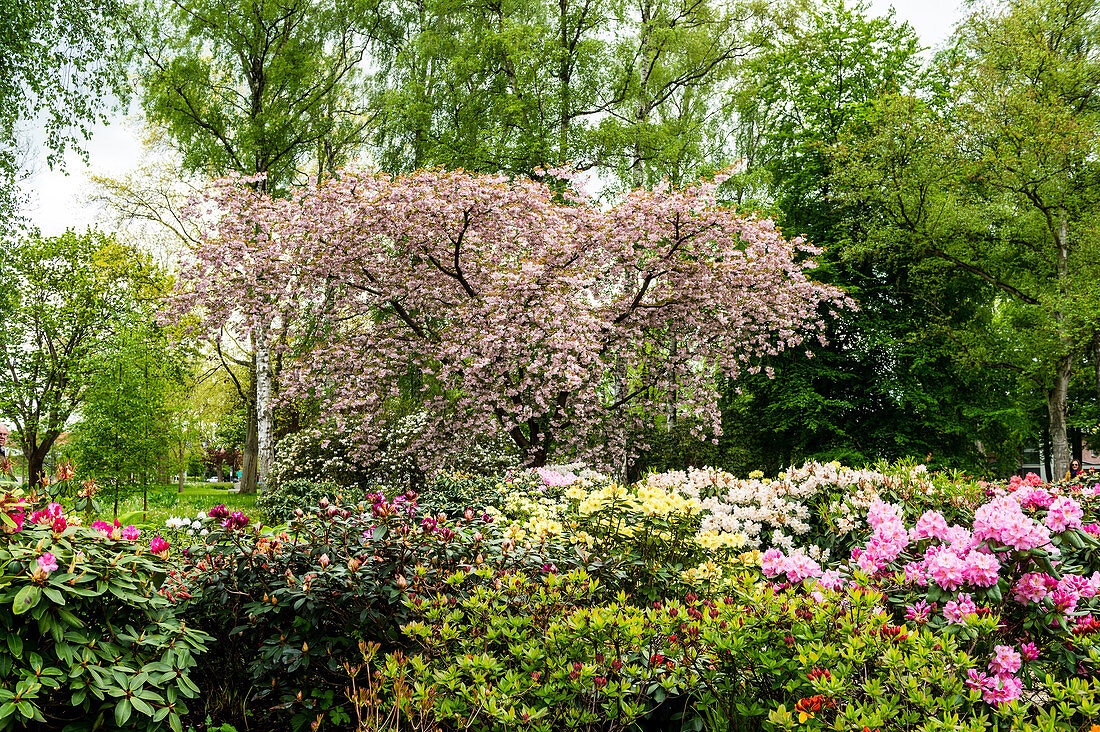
point(26, 599)
point(123, 709)
point(15, 644)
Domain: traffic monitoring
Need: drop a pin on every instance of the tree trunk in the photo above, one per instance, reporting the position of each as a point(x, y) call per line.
point(673, 395)
point(265, 416)
point(1058, 394)
point(1045, 464)
point(36, 459)
point(1057, 407)
point(249, 454)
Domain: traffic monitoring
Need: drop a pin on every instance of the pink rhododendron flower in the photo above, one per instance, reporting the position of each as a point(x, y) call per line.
point(915, 573)
point(130, 532)
point(800, 567)
point(1029, 651)
point(1033, 587)
point(920, 612)
point(555, 479)
point(1005, 660)
point(956, 611)
point(831, 580)
point(1064, 513)
point(771, 562)
point(931, 525)
point(47, 562)
point(1001, 520)
point(981, 569)
point(158, 545)
point(945, 568)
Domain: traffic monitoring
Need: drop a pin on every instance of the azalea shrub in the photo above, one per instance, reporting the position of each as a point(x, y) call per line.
point(535, 653)
point(89, 639)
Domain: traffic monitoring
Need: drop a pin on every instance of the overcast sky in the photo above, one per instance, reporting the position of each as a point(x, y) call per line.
point(59, 200)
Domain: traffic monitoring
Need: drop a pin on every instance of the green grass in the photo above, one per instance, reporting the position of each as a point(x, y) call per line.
point(166, 501)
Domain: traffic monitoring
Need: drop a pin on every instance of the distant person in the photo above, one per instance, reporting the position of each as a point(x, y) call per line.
point(1074, 470)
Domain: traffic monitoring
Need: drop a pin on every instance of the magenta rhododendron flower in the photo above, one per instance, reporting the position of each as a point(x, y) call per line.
point(130, 532)
point(158, 545)
point(235, 520)
point(219, 511)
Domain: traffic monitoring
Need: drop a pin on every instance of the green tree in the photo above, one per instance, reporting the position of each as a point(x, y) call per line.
point(62, 301)
point(996, 177)
point(121, 435)
point(60, 63)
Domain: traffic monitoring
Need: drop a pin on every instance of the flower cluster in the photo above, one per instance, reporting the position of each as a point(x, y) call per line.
point(117, 530)
point(54, 517)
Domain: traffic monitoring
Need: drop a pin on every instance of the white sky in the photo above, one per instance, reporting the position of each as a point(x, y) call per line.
point(59, 199)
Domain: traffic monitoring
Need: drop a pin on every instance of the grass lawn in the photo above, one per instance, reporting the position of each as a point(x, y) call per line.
point(166, 501)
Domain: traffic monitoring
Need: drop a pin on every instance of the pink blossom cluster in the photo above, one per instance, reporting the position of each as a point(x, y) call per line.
point(797, 566)
point(1001, 685)
point(888, 540)
point(51, 515)
point(554, 479)
point(959, 609)
point(516, 298)
point(1003, 521)
point(117, 530)
point(1064, 513)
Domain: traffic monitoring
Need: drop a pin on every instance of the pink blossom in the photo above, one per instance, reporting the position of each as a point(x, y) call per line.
point(130, 532)
point(1064, 513)
point(920, 612)
point(800, 567)
point(1001, 520)
point(504, 292)
point(1029, 651)
point(1032, 587)
point(931, 525)
point(47, 563)
point(945, 568)
point(915, 573)
point(158, 545)
point(956, 611)
point(771, 562)
point(1005, 660)
point(831, 580)
point(981, 569)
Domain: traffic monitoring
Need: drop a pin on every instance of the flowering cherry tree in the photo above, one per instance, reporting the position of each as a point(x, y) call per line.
point(524, 311)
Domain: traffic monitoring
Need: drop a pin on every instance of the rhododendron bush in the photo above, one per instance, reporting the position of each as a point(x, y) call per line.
point(508, 308)
point(87, 635)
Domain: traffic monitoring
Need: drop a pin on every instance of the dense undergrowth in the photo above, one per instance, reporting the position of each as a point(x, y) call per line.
point(828, 598)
